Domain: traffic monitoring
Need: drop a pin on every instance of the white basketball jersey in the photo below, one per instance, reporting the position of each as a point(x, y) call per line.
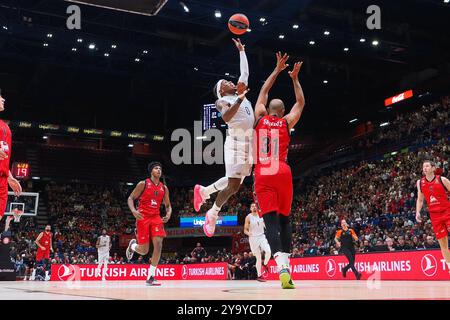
point(104, 242)
point(256, 225)
point(244, 118)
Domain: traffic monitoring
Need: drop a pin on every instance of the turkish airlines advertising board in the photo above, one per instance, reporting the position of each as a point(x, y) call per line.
point(88, 272)
point(409, 265)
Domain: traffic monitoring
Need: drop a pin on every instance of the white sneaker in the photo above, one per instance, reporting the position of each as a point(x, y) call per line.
point(210, 225)
point(129, 252)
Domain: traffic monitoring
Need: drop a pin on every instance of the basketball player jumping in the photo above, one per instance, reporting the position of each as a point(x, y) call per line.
point(237, 112)
point(150, 193)
point(6, 178)
point(435, 190)
point(272, 174)
point(103, 246)
point(254, 228)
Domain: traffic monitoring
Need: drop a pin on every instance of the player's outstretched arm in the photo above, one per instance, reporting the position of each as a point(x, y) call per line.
point(296, 112)
point(419, 202)
point(263, 97)
point(243, 64)
point(133, 196)
point(167, 205)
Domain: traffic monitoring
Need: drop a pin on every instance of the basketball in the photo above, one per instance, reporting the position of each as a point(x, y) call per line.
point(238, 23)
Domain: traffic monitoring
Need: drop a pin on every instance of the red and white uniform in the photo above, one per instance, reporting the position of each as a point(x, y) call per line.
point(5, 145)
point(151, 224)
point(272, 174)
point(46, 242)
point(436, 196)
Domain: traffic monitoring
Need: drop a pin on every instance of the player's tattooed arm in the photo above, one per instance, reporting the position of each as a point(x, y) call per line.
point(38, 241)
point(167, 205)
point(227, 110)
point(133, 196)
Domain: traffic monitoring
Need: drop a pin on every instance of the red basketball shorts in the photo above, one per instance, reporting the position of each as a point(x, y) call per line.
point(441, 223)
point(148, 228)
point(273, 193)
point(43, 254)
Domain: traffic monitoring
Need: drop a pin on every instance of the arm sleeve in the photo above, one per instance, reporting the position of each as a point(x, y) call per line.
point(338, 234)
point(244, 68)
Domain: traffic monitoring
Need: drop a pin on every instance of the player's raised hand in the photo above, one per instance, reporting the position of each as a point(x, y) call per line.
point(240, 88)
point(239, 45)
point(137, 214)
point(294, 73)
point(281, 61)
point(15, 186)
point(3, 155)
point(242, 95)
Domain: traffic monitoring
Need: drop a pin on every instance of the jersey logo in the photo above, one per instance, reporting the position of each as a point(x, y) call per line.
point(153, 203)
point(433, 199)
point(4, 146)
point(156, 229)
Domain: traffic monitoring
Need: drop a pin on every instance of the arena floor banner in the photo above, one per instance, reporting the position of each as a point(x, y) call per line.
point(87, 272)
point(404, 265)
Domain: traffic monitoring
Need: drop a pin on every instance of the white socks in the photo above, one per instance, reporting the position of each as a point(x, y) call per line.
point(213, 213)
point(215, 187)
point(151, 272)
point(282, 260)
point(133, 246)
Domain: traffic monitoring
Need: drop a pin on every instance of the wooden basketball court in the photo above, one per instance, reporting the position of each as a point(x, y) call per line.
point(225, 290)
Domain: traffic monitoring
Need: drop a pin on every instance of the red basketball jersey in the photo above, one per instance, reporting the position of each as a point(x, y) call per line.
point(151, 199)
point(5, 145)
point(435, 194)
point(272, 140)
point(46, 240)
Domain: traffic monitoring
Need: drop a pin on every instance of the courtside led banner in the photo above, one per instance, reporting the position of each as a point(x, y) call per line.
point(402, 265)
point(406, 265)
point(400, 97)
point(223, 221)
point(88, 272)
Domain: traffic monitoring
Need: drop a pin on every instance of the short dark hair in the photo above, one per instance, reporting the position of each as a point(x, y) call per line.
point(152, 165)
point(431, 162)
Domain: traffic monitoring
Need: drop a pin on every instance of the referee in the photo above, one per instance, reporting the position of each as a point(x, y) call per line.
point(344, 240)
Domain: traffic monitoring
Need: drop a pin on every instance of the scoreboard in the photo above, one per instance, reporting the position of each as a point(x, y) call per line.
point(212, 119)
point(21, 170)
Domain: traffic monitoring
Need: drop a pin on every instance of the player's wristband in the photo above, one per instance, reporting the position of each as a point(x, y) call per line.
point(239, 100)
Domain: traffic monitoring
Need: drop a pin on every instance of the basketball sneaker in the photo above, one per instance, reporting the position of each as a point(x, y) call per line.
point(199, 199)
point(210, 225)
point(286, 281)
point(261, 279)
point(152, 282)
point(129, 252)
